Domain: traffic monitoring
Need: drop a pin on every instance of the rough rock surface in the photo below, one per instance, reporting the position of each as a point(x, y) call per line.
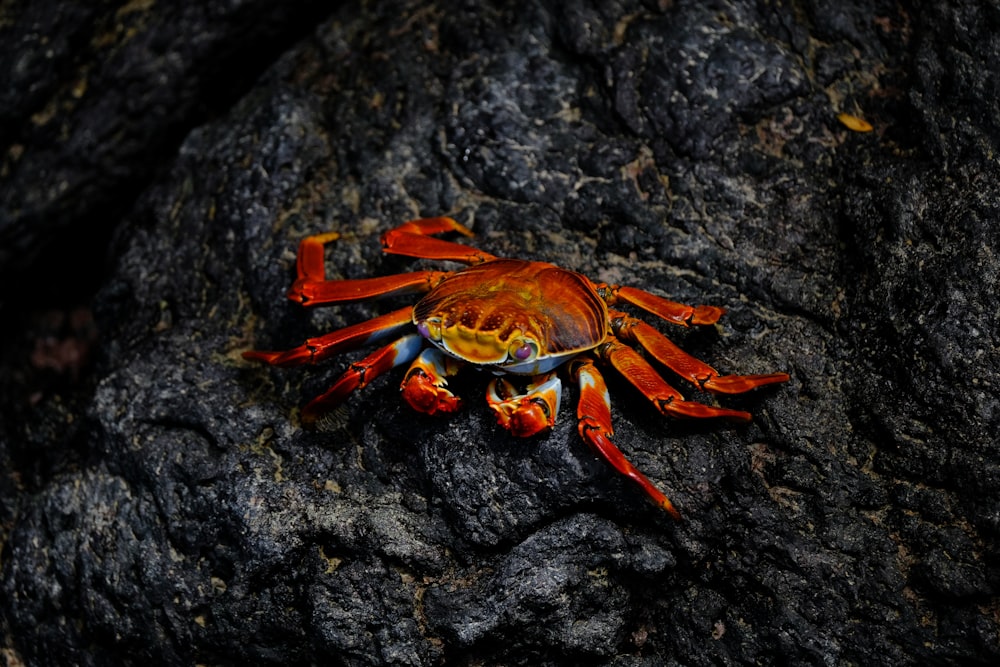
point(162, 504)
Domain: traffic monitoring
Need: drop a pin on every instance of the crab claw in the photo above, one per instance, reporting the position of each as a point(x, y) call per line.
point(525, 414)
point(424, 385)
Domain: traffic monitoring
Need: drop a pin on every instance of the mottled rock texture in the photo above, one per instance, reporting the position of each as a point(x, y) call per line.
point(160, 502)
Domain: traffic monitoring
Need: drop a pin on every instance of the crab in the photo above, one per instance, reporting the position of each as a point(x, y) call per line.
point(521, 320)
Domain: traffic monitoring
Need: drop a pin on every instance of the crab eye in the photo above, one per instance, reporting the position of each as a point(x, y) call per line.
point(430, 328)
point(523, 350)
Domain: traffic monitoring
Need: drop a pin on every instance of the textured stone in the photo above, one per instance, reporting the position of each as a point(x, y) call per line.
point(167, 507)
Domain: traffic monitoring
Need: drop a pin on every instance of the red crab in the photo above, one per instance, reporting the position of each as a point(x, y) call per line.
point(512, 317)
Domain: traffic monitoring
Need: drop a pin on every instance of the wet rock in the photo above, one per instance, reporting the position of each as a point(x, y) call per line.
point(169, 506)
point(96, 98)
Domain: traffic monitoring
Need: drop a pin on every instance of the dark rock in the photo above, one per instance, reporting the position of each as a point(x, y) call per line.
point(96, 98)
point(162, 503)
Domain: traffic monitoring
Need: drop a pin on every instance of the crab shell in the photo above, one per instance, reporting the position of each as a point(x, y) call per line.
point(518, 316)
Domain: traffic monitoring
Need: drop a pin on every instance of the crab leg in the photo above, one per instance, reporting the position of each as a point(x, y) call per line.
point(310, 292)
point(311, 288)
point(529, 413)
point(671, 311)
point(693, 370)
point(411, 239)
point(316, 349)
point(423, 387)
point(594, 415)
point(665, 398)
point(359, 374)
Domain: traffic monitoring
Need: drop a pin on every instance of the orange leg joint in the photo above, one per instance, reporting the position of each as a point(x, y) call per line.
point(691, 369)
point(361, 373)
point(593, 413)
point(411, 239)
point(664, 398)
point(314, 350)
point(665, 309)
